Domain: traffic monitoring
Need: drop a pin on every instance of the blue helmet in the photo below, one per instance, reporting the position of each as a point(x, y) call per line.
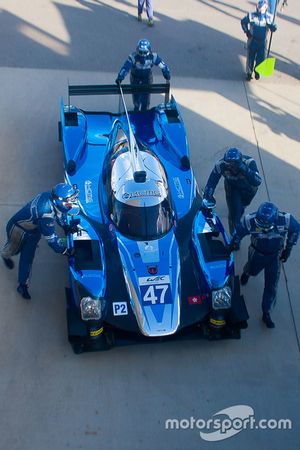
point(262, 7)
point(143, 47)
point(64, 197)
point(266, 216)
point(233, 157)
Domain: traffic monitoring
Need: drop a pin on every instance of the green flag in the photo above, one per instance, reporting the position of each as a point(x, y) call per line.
point(266, 68)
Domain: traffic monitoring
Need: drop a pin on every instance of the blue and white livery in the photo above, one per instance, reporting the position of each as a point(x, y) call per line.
point(149, 264)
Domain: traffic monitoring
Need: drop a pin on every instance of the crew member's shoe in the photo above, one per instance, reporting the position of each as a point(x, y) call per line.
point(139, 17)
point(257, 75)
point(249, 76)
point(244, 279)
point(150, 23)
point(23, 290)
point(9, 263)
point(266, 318)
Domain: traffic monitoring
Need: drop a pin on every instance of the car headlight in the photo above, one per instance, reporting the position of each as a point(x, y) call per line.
point(90, 308)
point(221, 298)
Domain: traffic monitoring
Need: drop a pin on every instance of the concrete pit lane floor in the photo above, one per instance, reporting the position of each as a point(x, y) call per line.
point(121, 399)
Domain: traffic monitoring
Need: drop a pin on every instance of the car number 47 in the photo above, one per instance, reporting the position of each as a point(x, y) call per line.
point(156, 294)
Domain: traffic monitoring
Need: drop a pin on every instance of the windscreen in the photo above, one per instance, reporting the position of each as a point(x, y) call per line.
point(143, 223)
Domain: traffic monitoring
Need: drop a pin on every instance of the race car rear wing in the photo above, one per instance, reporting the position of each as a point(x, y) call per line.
point(113, 89)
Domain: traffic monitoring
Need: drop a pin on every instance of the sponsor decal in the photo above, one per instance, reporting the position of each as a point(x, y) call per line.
point(217, 323)
point(120, 308)
point(144, 193)
point(159, 279)
point(88, 191)
point(178, 187)
point(195, 300)
point(94, 333)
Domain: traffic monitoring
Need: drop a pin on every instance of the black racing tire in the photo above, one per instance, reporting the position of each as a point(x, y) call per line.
point(78, 348)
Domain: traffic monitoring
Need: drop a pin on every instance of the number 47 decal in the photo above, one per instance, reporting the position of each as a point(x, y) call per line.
point(156, 294)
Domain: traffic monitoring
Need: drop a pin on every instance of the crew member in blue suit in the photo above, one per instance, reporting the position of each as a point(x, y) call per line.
point(273, 235)
point(140, 63)
point(241, 181)
point(37, 218)
point(256, 25)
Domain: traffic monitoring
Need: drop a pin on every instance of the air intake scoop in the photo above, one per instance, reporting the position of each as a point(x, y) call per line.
point(139, 176)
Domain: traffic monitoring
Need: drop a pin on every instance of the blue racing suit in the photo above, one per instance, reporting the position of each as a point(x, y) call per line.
point(141, 73)
point(256, 27)
point(240, 187)
point(265, 250)
point(25, 228)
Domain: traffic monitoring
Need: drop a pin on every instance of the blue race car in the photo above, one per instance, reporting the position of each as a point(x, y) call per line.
point(150, 263)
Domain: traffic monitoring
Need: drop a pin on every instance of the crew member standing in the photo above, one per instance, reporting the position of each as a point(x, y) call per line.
point(256, 26)
point(140, 63)
point(241, 181)
point(273, 235)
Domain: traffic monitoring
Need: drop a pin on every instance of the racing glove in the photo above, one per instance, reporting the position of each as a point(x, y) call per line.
point(243, 168)
point(119, 80)
point(273, 27)
point(234, 244)
point(208, 202)
point(285, 254)
point(167, 75)
point(63, 241)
